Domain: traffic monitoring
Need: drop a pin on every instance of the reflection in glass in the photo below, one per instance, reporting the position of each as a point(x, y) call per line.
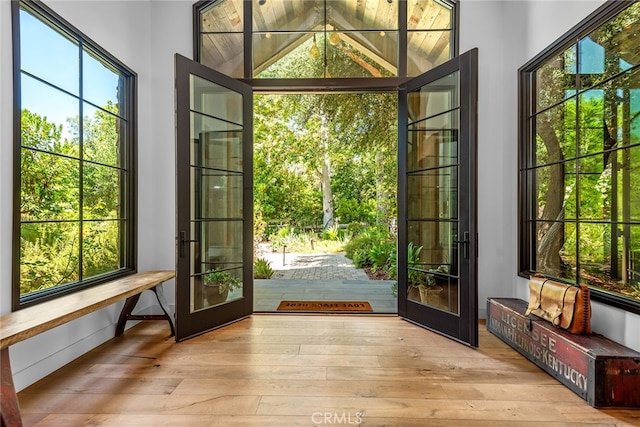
point(100, 247)
point(288, 55)
point(429, 14)
point(287, 15)
point(48, 54)
point(551, 79)
point(434, 289)
point(434, 98)
point(362, 54)
point(223, 16)
point(223, 53)
point(439, 252)
point(56, 119)
point(214, 100)
point(220, 150)
point(56, 245)
point(100, 183)
point(215, 287)
point(433, 142)
point(427, 49)
point(222, 194)
point(351, 15)
point(49, 187)
point(433, 194)
point(100, 85)
point(102, 132)
point(609, 50)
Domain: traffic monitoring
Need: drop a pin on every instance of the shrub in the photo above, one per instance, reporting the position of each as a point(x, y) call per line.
point(262, 269)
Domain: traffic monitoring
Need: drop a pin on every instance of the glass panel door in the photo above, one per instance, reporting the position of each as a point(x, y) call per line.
point(214, 212)
point(437, 200)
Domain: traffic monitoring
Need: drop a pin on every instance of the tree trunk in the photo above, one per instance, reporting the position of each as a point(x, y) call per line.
point(550, 234)
point(381, 192)
point(328, 220)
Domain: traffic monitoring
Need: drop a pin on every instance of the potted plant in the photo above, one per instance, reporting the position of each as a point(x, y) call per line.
point(217, 285)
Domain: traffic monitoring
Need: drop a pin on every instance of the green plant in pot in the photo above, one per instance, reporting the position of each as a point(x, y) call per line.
point(217, 285)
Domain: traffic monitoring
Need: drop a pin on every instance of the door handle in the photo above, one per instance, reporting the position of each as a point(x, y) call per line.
point(183, 240)
point(465, 244)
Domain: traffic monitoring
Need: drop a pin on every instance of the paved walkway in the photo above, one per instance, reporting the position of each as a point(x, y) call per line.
point(320, 277)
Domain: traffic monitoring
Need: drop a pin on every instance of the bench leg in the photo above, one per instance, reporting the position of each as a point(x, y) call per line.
point(9, 407)
point(165, 307)
point(125, 314)
point(130, 304)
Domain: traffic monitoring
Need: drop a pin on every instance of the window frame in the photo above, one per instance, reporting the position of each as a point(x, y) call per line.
point(127, 156)
point(526, 107)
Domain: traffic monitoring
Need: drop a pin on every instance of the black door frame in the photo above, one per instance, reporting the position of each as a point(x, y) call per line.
point(463, 327)
point(196, 323)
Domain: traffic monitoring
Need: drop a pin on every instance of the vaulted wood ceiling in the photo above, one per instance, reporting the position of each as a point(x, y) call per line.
point(369, 26)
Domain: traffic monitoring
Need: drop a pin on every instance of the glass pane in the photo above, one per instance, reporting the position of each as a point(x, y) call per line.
point(223, 53)
point(362, 15)
point(48, 54)
point(595, 253)
point(427, 49)
point(435, 290)
point(610, 49)
point(49, 187)
point(288, 55)
point(555, 80)
point(100, 247)
point(101, 85)
point(102, 131)
point(222, 16)
point(555, 133)
point(215, 100)
point(51, 120)
point(428, 15)
point(436, 238)
point(48, 255)
point(556, 249)
point(362, 54)
point(101, 192)
point(221, 194)
point(434, 98)
point(592, 132)
point(433, 194)
point(216, 286)
point(433, 142)
point(556, 192)
point(626, 185)
point(221, 150)
point(287, 15)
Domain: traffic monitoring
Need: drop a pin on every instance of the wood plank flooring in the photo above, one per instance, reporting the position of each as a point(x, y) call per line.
point(306, 370)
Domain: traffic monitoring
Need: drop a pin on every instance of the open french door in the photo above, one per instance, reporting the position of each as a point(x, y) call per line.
point(437, 227)
point(214, 198)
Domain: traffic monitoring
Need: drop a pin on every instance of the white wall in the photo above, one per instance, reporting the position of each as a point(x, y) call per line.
point(123, 28)
point(145, 34)
point(508, 34)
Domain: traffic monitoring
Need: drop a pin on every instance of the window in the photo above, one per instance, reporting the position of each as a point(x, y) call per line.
point(74, 206)
point(284, 39)
point(580, 157)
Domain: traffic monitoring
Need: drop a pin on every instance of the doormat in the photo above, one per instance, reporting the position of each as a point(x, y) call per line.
point(341, 306)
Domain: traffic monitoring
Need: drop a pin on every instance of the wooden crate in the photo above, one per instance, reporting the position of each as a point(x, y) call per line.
point(599, 370)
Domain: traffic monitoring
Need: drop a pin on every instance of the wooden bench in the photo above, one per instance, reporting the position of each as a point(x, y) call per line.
point(26, 323)
point(601, 371)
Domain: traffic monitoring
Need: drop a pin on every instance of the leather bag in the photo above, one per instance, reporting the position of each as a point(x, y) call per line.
point(565, 306)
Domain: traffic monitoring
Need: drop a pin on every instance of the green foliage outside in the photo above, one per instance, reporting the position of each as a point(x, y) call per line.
point(262, 269)
point(50, 211)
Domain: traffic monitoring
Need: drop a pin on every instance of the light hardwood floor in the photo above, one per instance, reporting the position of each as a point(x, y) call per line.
point(306, 370)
